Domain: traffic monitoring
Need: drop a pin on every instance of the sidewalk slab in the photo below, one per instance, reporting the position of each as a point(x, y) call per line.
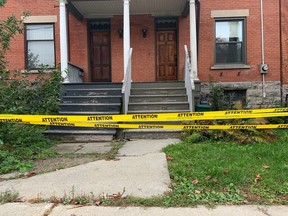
point(136, 211)
point(143, 147)
point(25, 209)
point(83, 148)
point(142, 176)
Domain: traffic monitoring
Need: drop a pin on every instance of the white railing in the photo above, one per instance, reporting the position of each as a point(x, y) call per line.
point(75, 73)
point(189, 79)
point(126, 88)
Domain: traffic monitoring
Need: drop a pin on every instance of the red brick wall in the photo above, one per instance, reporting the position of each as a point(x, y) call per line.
point(144, 48)
point(272, 50)
point(78, 44)
point(16, 56)
point(285, 41)
point(143, 58)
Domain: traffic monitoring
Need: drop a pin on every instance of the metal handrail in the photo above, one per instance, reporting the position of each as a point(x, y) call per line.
point(126, 88)
point(189, 81)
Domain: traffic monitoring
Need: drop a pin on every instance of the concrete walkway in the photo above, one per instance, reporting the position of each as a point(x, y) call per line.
point(24, 209)
point(140, 168)
point(141, 173)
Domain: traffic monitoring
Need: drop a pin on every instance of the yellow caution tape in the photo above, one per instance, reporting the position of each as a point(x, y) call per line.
point(161, 126)
point(192, 116)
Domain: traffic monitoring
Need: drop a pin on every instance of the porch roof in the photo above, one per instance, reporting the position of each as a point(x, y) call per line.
point(109, 8)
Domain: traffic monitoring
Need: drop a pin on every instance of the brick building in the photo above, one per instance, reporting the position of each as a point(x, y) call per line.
point(230, 42)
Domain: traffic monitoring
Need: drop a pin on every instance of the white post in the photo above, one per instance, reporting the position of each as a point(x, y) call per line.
point(63, 41)
point(126, 34)
point(193, 40)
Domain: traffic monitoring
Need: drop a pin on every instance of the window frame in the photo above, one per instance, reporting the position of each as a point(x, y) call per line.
point(27, 41)
point(232, 65)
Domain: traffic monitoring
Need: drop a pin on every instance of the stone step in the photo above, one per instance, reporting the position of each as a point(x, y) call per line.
point(130, 134)
point(167, 106)
point(88, 112)
point(157, 84)
point(92, 92)
point(92, 99)
point(76, 135)
point(158, 91)
point(158, 98)
point(90, 85)
point(155, 111)
point(86, 107)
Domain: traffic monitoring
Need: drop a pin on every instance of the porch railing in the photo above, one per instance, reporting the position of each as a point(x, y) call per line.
point(126, 88)
point(75, 73)
point(189, 79)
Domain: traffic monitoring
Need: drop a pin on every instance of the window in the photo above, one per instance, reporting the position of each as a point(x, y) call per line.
point(229, 42)
point(40, 47)
point(236, 96)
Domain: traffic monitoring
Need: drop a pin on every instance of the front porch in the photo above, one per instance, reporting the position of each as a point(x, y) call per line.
point(101, 33)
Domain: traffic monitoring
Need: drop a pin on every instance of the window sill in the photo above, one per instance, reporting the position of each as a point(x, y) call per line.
point(35, 71)
point(230, 66)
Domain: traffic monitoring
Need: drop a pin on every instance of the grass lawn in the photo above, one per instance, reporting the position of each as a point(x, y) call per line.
point(220, 172)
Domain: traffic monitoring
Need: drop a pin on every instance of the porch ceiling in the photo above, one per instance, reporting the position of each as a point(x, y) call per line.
point(109, 8)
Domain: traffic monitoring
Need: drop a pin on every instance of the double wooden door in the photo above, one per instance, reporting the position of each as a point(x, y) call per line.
point(100, 57)
point(166, 56)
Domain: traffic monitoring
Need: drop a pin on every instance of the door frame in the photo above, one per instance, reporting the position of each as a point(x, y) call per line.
point(92, 27)
point(164, 27)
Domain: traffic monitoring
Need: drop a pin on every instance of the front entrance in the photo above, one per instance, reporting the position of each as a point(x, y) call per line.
point(100, 56)
point(166, 56)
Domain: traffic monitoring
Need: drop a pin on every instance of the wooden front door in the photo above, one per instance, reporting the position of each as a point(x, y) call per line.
point(100, 57)
point(166, 56)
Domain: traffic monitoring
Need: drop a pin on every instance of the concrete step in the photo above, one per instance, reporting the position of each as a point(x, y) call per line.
point(88, 112)
point(92, 92)
point(155, 111)
point(158, 91)
point(158, 98)
point(167, 106)
point(77, 135)
point(131, 134)
point(90, 85)
point(87, 107)
point(157, 84)
point(92, 99)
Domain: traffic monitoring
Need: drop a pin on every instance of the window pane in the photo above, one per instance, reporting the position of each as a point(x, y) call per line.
point(40, 53)
point(229, 53)
point(40, 32)
point(229, 31)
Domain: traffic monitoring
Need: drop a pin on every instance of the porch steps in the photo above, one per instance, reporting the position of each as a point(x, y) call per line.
point(156, 97)
point(87, 99)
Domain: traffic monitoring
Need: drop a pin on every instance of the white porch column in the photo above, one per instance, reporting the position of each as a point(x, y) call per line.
point(63, 40)
point(126, 34)
point(193, 39)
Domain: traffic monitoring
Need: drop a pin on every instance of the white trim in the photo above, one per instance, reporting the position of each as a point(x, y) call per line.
point(230, 13)
point(40, 19)
point(63, 41)
point(193, 41)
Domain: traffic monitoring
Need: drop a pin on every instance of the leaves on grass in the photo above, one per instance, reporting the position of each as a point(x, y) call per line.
point(265, 166)
point(195, 182)
point(169, 158)
point(258, 178)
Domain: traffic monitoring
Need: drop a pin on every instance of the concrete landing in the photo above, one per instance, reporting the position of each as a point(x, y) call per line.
point(146, 146)
point(83, 148)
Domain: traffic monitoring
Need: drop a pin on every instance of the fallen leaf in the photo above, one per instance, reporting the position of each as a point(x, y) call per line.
point(195, 181)
point(208, 177)
point(258, 177)
point(227, 171)
point(169, 158)
point(265, 166)
point(198, 191)
point(97, 203)
point(214, 180)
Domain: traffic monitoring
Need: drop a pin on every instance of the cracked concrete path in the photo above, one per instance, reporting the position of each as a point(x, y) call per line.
point(25, 209)
point(143, 174)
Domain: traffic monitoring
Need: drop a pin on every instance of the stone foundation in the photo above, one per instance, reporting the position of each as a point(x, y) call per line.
point(254, 92)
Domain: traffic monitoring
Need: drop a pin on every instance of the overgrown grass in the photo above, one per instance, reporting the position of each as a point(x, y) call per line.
point(221, 172)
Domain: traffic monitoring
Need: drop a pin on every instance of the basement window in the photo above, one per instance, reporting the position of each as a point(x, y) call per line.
point(236, 96)
point(40, 46)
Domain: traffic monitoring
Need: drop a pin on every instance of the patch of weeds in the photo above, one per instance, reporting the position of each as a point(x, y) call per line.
point(258, 172)
point(8, 196)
